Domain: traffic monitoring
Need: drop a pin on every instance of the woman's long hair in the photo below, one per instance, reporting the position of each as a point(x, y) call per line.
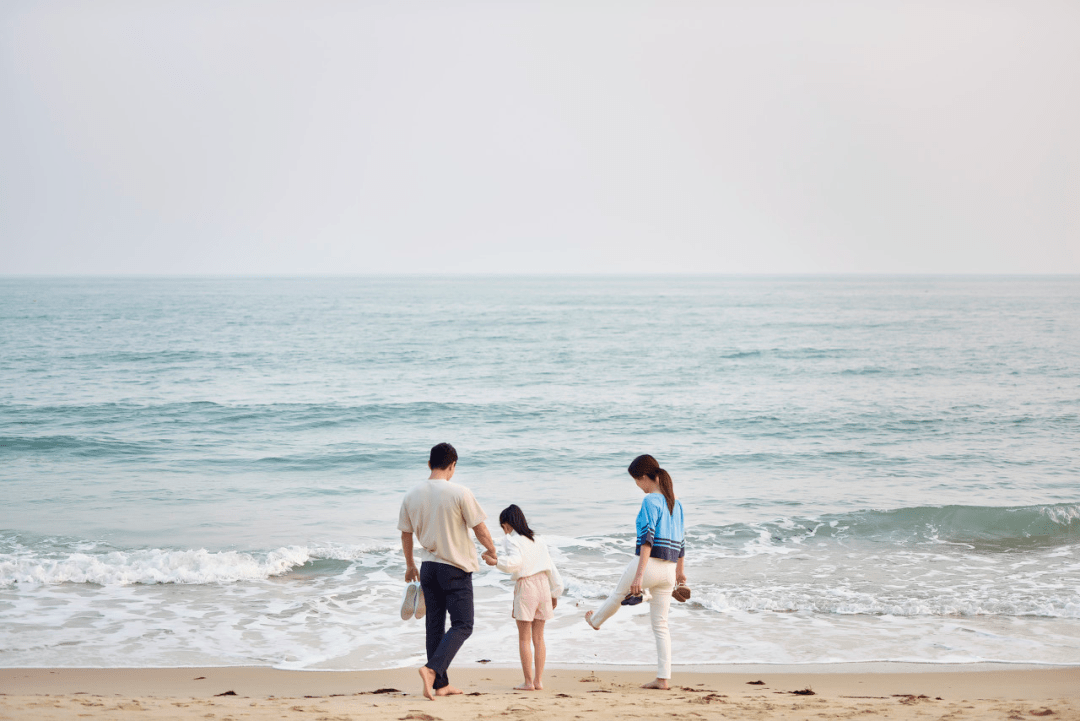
point(646, 465)
point(513, 517)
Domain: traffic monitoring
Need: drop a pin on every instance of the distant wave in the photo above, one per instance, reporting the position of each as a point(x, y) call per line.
point(80, 446)
point(153, 566)
point(981, 528)
point(977, 526)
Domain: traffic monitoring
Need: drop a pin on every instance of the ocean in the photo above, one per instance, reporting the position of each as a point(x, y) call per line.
point(207, 471)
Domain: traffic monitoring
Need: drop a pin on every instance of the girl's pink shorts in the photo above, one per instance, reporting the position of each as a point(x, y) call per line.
point(532, 598)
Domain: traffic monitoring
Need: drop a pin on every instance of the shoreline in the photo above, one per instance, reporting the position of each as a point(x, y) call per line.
point(957, 691)
point(812, 667)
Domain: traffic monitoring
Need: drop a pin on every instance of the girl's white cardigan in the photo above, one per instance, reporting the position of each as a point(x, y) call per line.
point(522, 558)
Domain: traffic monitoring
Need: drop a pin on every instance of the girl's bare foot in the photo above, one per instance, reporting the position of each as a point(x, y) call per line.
point(448, 691)
point(660, 683)
point(524, 687)
point(588, 616)
point(537, 685)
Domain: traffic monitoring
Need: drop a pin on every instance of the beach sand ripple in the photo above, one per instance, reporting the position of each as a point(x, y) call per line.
point(165, 694)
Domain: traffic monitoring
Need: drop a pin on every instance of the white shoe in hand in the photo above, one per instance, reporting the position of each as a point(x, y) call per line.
point(408, 600)
point(421, 607)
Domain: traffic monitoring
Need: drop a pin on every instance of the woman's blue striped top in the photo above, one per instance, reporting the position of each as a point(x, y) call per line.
point(660, 529)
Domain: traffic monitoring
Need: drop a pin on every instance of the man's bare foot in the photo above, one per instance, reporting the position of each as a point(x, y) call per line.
point(588, 616)
point(448, 691)
point(427, 675)
point(660, 683)
point(525, 687)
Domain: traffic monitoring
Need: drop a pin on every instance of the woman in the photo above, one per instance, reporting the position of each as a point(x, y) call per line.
point(659, 563)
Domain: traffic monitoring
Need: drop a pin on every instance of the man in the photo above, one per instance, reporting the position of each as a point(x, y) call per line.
point(440, 514)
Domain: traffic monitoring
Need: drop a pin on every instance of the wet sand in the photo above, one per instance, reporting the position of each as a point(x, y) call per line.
point(570, 694)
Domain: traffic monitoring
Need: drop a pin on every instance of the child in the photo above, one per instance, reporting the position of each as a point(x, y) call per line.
point(525, 557)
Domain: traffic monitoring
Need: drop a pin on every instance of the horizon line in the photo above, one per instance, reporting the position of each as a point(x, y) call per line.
point(559, 274)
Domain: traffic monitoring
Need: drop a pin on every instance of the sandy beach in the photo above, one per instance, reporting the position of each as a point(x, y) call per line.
point(947, 692)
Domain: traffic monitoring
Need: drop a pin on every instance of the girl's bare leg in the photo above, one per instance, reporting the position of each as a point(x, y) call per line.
point(541, 654)
point(525, 650)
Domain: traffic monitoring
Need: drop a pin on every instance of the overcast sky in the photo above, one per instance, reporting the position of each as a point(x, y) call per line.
point(144, 136)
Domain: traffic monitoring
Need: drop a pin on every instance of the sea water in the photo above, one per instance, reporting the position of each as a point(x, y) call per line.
point(208, 471)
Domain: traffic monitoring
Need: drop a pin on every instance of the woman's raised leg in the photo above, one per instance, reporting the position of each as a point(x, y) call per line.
point(611, 605)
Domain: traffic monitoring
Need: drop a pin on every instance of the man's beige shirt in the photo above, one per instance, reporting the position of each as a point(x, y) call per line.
point(439, 514)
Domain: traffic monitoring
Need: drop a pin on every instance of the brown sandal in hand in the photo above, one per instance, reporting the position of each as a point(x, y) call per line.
point(681, 593)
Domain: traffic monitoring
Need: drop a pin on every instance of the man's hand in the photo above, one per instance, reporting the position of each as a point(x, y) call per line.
point(484, 537)
point(411, 574)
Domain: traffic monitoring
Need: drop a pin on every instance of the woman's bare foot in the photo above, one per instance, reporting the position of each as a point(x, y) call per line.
point(588, 617)
point(427, 675)
point(538, 685)
point(525, 687)
point(448, 691)
point(660, 683)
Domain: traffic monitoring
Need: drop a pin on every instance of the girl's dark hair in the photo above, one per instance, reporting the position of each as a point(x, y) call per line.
point(646, 465)
point(513, 517)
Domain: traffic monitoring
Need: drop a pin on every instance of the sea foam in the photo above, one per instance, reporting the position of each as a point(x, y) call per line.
point(154, 566)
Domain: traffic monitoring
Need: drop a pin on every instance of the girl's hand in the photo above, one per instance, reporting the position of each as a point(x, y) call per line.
point(680, 577)
point(554, 603)
point(635, 587)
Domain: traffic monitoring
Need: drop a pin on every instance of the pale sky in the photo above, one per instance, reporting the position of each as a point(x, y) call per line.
point(517, 136)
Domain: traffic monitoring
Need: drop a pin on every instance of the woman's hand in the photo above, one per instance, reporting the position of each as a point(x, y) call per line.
point(554, 603)
point(643, 560)
point(680, 577)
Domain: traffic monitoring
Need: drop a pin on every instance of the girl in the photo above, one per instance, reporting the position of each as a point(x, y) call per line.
point(659, 565)
point(525, 557)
